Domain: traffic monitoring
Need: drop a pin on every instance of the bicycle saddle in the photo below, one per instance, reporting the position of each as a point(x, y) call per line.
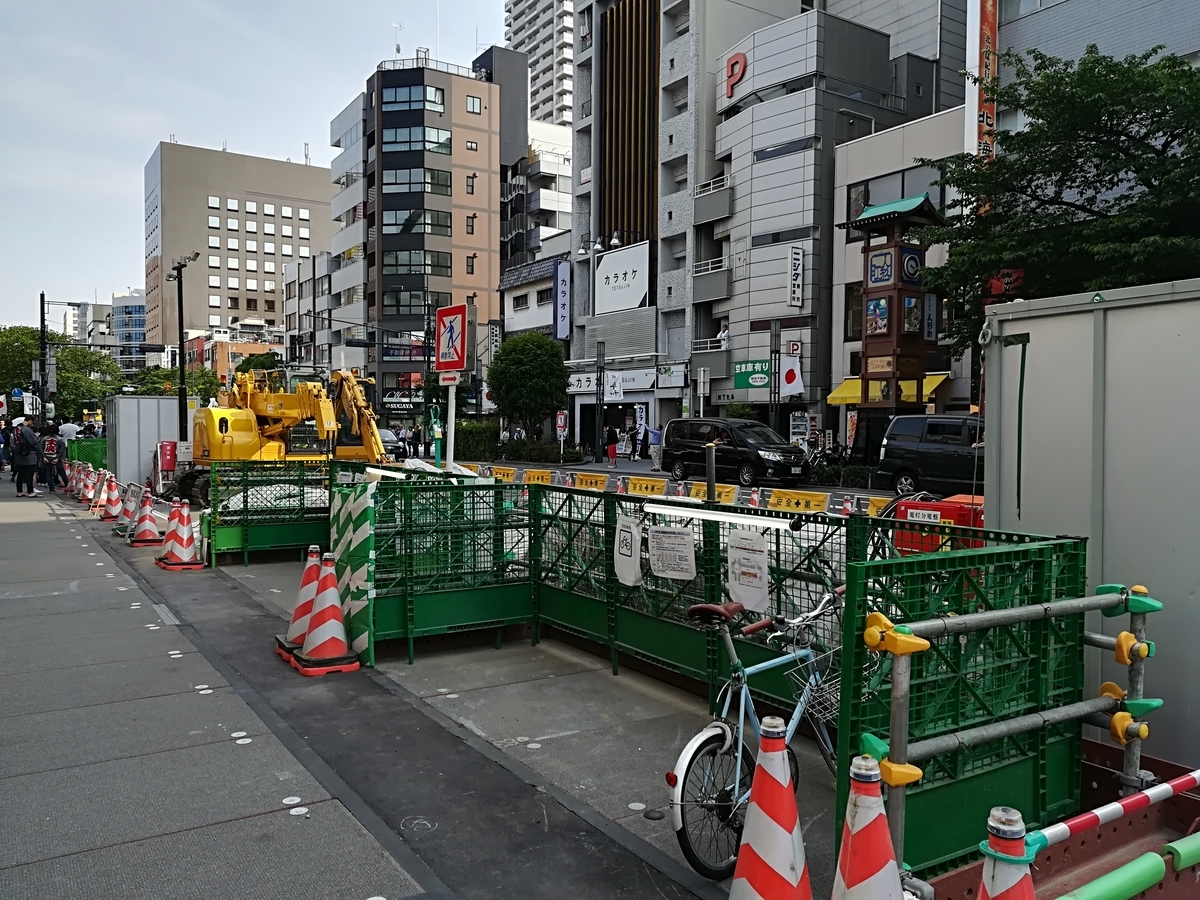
point(714, 611)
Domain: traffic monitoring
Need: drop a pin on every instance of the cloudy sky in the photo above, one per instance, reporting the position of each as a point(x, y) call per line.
point(88, 88)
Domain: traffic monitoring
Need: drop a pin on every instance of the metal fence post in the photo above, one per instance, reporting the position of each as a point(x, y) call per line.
point(535, 560)
point(898, 747)
point(1132, 781)
point(858, 535)
point(610, 577)
point(710, 555)
point(409, 567)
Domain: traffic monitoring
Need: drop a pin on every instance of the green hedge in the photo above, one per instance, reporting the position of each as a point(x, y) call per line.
point(476, 441)
point(845, 476)
point(539, 452)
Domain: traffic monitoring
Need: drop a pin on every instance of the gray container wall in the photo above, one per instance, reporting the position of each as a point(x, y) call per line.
point(1110, 447)
point(134, 427)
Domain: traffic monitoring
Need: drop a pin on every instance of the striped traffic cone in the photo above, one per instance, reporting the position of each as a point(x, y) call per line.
point(620, 485)
point(867, 864)
point(71, 478)
point(325, 649)
point(848, 505)
point(681, 489)
point(88, 494)
point(128, 509)
point(112, 501)
point(1005, 872)
point(181, 553)
point(770, 861)
point(569, 480)
point(173, 519)
point(753, 501)
point(286, 645)
point(96, 507)
point(80, 477)
point(145, 534)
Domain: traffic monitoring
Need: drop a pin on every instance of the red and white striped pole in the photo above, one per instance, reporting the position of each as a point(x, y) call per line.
point(1110, 812)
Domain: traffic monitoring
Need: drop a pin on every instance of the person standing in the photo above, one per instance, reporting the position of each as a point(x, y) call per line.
point(610, 441)
point(723, 337)
point(415, 437)
point(68, 431)
point(26, 457)
point(49, 456)
point(6, 434)
point(656, 448)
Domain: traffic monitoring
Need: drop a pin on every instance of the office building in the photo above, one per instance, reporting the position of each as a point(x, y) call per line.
point(544, 31)
point(314, 317)
point(246, 216)
point(127, 324)
point(92, 324)
point(70, 324)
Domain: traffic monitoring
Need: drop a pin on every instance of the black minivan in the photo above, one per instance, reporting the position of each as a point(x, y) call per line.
point(943, 454)
point(748, 452)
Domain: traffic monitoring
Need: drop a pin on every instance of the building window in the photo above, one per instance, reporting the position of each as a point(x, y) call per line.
point(270, 305)
point(251, 246)
point(231, 282)
point(252, 284)
point(214, 281)
point(285, 231)
point(417, 262)
point(418, 137)
point(856, 202)
point(214, 320)
point(214, 300)
point(214, 221)
point(269, 266)
point(521, 301)
point(231, 243)
point(214, 262)
point(252, 265)
point(474, 105)
point(214, 242)
point(231, 224)
point(303, 214)
point(290, 321)
point(305, 252)
point(268, 227)
point(251, 304)
point(412, 303)
point(269, 247)
point(233, 302)
point(231, 262)
point(470, 224)
point(432, 181)
point(784, 149)
point(268, 209)
point(415, 221)
point(231, 205)
point(470, 184)
point(472, 145)
point(251, 207)
point(854, 312)
point(214, 202)
point(303, 233)
point(470, 265)
point(413, 96)
point(269, 287)
point(544, 296)
point(251, 226)
point(285, 211)
point(286, 249)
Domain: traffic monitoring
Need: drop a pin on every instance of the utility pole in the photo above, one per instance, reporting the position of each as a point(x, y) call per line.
point(600, 448)
point(773, 375)
point(45, 369)
point(177, 268)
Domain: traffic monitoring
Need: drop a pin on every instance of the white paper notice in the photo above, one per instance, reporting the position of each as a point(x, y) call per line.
point(627, 551)
point(672, 553)
point(748, 582)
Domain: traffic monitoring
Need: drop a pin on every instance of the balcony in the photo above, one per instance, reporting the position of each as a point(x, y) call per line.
point(711, 354)
point(712, 280)
point(549, 201)
point(712, 200)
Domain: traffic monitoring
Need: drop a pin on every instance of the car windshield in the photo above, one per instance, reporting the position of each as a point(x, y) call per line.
point(388, 437)
point(759, 434)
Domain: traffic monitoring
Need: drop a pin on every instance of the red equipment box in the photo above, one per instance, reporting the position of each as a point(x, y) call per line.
point(961, 509)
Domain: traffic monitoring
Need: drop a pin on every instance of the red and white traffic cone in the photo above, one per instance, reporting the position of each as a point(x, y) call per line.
point(286, 645)
point(112, 501)
point(681, 489)
point(96, 508)
point(181, 553)
point(1005, 871)
point(620, 485)
point(128, 510)
point(848, 505)
point(71, 478)
point(770, 862)
point(569, 480)
point(80, 475)
point(88, 494)
point(146, 533)
point(753, 497)
point(169, 538)
point(867, 863)
point(325, 648)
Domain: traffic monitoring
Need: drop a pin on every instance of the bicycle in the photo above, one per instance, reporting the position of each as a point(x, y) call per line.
point(710, 784)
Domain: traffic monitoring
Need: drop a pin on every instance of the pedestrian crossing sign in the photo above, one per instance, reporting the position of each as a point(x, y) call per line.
point(451, 339)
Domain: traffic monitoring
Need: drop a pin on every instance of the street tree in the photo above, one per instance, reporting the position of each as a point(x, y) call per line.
point(528, 379)
point(83, 374)
point(155, 381)
point(266, 361)
point(1098, 189)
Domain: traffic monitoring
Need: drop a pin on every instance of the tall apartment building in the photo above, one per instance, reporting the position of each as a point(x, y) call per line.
point(127, 323)
point(246, 216)
point(544, 31)
point(709, 162)
point(71, 322)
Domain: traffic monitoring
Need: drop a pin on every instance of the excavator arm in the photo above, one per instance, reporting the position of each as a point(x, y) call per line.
point(352, 403)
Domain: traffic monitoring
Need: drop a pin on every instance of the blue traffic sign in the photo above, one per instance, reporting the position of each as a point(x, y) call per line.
point(17, 393)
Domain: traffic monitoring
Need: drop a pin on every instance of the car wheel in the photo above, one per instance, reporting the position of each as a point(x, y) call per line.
point(905, 483)
point(679, 471)
point(745, 475)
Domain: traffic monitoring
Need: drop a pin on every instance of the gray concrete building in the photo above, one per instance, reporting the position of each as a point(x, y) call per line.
point(544, 31)
point(245, 215)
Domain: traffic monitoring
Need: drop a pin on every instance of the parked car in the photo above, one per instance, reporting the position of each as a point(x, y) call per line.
point(392, 444)
point(748, 452)
point(942, 453)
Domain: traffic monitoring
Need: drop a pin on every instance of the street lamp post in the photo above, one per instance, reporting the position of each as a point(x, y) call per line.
point(597, 247)
point(177, 268)
point(45, 370)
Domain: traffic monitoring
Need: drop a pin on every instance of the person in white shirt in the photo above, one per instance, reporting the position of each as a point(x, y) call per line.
point(723, 337)
point(68, 430)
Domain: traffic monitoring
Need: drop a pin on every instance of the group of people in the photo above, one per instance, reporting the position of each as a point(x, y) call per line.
point(412, 438)
point(37, 455)
point(648, 447)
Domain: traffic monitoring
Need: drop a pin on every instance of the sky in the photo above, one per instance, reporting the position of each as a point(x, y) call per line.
point(88, 89)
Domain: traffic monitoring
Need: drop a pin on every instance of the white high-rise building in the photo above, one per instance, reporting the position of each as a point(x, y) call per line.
point(544, 31)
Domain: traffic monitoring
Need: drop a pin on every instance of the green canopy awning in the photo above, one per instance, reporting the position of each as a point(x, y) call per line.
point(918, 210)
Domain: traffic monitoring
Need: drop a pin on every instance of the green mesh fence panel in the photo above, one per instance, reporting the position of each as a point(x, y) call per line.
point(268, 492)
point(89, 450)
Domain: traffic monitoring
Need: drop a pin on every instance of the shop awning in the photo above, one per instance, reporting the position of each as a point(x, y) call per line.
point(850, 390)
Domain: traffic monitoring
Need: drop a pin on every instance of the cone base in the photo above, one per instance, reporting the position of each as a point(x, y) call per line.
point(286, 648)
point(120, 530)
point(314, 667)
point(109, 518)
point(178, 566)
point(145, 542)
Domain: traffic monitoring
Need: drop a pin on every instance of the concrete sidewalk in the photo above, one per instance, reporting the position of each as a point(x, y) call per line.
point(129, 766)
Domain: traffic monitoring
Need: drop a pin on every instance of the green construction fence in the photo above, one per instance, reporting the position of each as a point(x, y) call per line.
point(417, 559)
point(89, 450)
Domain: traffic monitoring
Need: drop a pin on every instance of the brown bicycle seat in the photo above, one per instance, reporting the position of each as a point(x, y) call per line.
point(715, 611)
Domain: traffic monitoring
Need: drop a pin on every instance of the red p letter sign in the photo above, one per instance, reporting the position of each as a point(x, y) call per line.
point(735, 71)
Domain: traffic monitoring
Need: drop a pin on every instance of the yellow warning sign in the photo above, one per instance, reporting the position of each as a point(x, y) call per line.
point(648, 487)
point(875, 505)
point(590, 481)
point(798, 501)
point(726, 493)
point(537, 476)
point(504, 473)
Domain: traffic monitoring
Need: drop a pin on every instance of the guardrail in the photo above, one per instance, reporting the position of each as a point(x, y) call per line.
point(710, 265)
point(709, 187)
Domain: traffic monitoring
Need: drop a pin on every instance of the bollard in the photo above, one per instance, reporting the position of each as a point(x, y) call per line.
point(710, 471)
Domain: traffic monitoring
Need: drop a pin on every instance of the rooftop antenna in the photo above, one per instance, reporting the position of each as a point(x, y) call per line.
point(224, 146)
point(397, 27)
point(306, 157)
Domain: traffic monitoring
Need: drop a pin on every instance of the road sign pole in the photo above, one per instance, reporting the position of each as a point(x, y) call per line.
point(450, 392)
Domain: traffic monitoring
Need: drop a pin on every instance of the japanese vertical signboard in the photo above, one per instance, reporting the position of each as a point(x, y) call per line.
point(988, 36)
point(451, 339)
point(796, 297)
point(562, 300)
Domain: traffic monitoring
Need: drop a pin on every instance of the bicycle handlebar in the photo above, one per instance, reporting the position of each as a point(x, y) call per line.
point(781, 623)
point(758, 626)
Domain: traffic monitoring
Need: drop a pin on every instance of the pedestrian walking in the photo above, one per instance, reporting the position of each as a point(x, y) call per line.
point(645, 452)
point(631, 442)
point(415, 438)
point(610, 440)
point(26, 458)
point(656, 448)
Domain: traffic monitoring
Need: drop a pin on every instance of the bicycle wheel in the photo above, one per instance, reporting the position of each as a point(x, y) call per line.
point(712, 816)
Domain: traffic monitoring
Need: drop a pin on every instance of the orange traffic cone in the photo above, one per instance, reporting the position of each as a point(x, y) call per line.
point(770, 862)
point(867, 864)
point(1005, 870)
point(181, 553)
point(848, 506)
point(753, 501)
point(325, 649)
point(146, 533)
point(128, 510)
point(80, 476)
point(71, 478)
point(681, 489)
point(286, 645)
point(89, 488)
point(620, 485)
point(569, 480)
point(96, 507)
point(168, 540)
point(112, 501)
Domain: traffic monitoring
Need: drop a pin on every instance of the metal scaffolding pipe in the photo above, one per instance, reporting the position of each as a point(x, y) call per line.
point(1103, 641)
point(948, 743)
point(932, 628)
point(898, 749)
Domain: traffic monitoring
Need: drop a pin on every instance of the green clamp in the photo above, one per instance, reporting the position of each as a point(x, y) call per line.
point(1031, 851)
point(1150, 646)
point(1035, 843)
point(1136, 600)
point(1142, 604)
point(876, 748)
point(1139, 708)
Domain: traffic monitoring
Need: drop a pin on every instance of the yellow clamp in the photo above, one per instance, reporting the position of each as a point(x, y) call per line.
point(881, 635)
point(1124, 729)
point(1129, 647)
point(1140, 589)
point(898, 774)
point(1109, 689)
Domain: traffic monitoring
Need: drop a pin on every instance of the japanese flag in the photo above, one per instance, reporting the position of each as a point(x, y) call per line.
point(790, 379)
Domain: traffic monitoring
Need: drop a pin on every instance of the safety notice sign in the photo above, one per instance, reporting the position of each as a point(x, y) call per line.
point(451, 339)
